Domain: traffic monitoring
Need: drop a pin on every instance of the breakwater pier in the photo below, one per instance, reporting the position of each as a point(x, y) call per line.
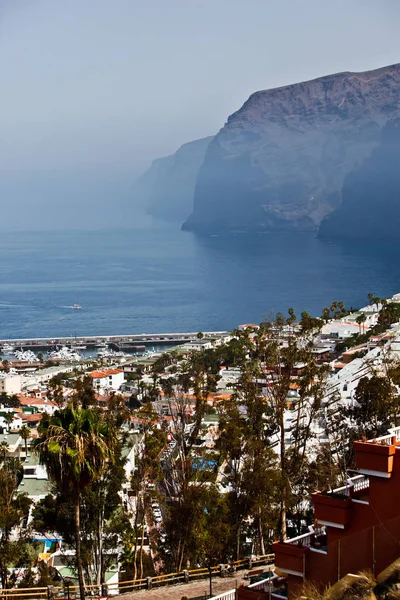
point(118, 342)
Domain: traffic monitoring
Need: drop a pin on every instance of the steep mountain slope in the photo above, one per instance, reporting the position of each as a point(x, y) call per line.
point(167, 187)
point(280, 161)
point(370, 208)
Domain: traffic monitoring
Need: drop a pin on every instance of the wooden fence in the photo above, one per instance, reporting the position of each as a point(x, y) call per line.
point(71, 592)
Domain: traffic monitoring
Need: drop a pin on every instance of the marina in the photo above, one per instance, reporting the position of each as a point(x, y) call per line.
point(130, 343)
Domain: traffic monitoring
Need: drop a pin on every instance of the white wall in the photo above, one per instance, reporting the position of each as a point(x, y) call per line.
point(112, 382)
point(11, 384)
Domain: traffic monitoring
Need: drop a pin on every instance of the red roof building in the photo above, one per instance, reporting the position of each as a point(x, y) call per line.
point(357, 527)
point(107, 379)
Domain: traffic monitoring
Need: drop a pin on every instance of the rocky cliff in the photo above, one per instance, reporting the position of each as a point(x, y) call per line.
point(370, 208)
point(280, 161)
point(167, 187)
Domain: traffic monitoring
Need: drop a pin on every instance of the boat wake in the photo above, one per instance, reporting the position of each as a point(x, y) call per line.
point(73, 307)
point(4, 305)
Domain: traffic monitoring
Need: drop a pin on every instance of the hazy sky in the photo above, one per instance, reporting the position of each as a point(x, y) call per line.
point(112, 84)
point(93, 90)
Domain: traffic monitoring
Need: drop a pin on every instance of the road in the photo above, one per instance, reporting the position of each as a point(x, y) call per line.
point(191, 590)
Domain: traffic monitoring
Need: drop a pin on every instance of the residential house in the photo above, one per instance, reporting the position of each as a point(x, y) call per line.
point(41, 404)
point(107, 380)
point(10, 384)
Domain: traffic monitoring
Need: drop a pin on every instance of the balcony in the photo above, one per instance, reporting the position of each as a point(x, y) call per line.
point(333, 509)
point(376, 457)
point(272, 588)
point(290, 555)
point(279, 588)
point(357, 489)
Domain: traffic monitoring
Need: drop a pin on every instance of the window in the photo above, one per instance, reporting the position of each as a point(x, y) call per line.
point(30, 471)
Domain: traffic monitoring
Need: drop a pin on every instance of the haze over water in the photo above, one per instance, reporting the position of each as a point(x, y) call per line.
point(158, 279)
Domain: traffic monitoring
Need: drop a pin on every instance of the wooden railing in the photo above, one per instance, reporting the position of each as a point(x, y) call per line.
point(71, 592)
point(24, 593)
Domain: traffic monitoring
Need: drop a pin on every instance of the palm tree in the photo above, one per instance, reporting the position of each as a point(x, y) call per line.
point(15, 469)
point(75, 445)
point(370, 298)
point(25, 433)
point(326, 314)
point(363, 585)
point(9, 418)
point(361, 318)
point(4, 447)
point(127, 557)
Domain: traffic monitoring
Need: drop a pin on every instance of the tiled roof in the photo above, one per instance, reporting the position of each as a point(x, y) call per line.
point(105, 373)
point(31, 401)
point(32, 418)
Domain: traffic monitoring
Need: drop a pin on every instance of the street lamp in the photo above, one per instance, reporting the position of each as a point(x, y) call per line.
point(210, 576)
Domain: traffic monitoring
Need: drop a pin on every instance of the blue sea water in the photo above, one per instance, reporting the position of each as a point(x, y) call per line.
point(156, 278)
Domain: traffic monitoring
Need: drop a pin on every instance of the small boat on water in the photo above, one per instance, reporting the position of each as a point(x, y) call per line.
point(7, 348)
point(77, 307)
point(102, 346)
point(110, 354)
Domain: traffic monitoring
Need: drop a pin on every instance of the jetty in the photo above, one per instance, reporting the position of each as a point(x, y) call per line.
point(118, 342)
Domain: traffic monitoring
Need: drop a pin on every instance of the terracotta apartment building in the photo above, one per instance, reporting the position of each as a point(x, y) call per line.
point(356, 527)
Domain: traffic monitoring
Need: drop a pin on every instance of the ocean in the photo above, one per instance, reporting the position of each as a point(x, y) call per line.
point(156, 278)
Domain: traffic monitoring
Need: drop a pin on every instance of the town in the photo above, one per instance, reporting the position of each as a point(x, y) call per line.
point(272, 445)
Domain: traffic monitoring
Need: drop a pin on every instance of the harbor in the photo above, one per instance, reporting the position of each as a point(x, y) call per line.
point(127, 343)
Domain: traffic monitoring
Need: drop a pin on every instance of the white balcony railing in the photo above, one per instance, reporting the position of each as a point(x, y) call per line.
point(229, 595)
point(354, 484)
point(361, 482)
point(262, 585)
point(307, 539)
point(394, 432)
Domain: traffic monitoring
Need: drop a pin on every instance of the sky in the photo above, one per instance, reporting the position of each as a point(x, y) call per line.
point(93, 90)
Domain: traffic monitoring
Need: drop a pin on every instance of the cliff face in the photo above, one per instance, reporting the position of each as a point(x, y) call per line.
point(371, 195)
point(280, 161)
point(167, 187)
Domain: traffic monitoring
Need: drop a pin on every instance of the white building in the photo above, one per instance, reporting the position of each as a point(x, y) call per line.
point(14, 441)
point(107, 380)
point(44, 375)
point(203, 344)
point(228, 377)
point(42, 405)
point(15, 424)
point(10, 384)
point(35, 481)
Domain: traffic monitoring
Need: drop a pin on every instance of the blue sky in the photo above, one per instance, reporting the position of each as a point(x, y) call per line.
point(105, 86)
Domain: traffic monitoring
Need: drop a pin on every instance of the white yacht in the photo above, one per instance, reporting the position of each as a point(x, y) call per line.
point(7, 348)
point(110, 354)
point(102, 347)
point(65, 353)
point(26, 355)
